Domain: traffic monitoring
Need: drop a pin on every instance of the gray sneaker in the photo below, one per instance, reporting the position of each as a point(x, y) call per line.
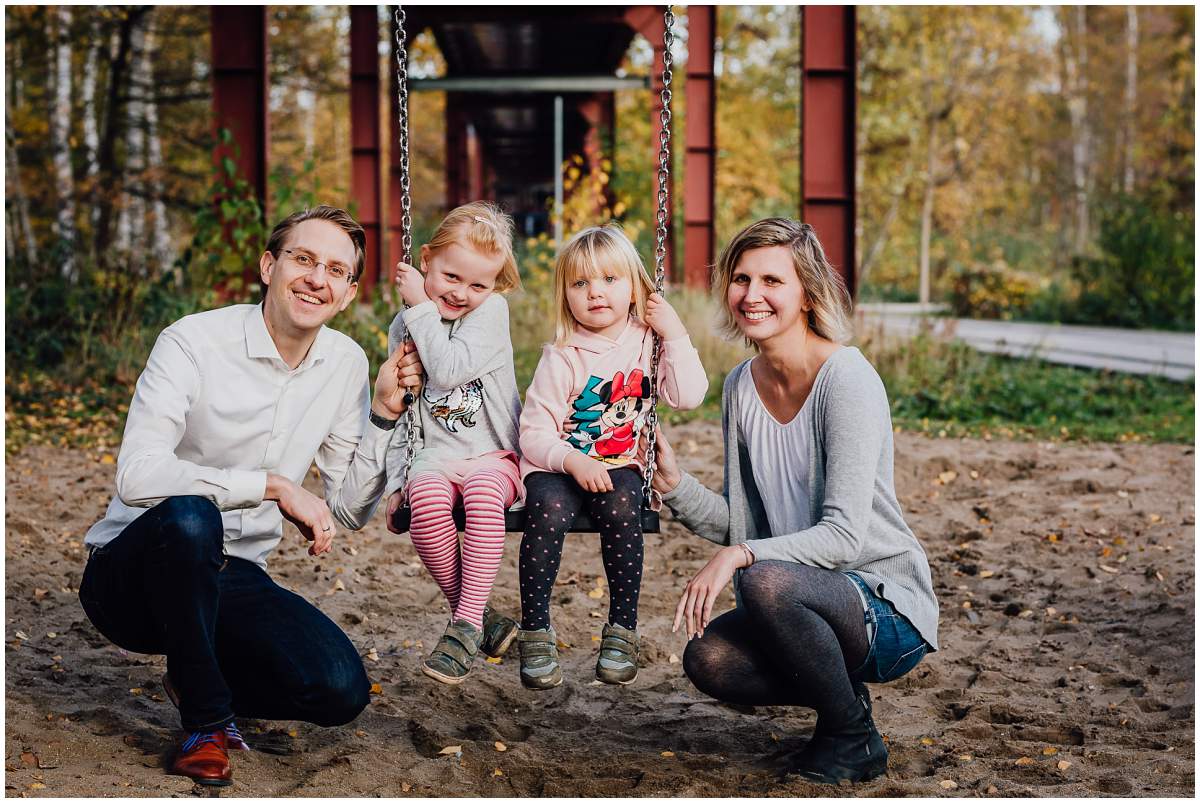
point(499, 632)
point(618, 661)
point(450, 662)
point(539, 659)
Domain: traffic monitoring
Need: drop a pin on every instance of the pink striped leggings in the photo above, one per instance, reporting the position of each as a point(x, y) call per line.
point(465, 576)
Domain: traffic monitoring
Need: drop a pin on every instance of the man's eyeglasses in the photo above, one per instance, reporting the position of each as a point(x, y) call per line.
point(337, 271)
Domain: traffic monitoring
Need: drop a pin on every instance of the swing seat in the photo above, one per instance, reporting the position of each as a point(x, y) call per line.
point(514, 520)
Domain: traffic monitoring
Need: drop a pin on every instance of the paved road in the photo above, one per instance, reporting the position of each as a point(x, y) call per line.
point(1134, 351)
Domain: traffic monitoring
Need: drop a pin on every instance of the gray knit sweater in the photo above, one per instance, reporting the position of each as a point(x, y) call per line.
point(859, 525)
point(469, 405)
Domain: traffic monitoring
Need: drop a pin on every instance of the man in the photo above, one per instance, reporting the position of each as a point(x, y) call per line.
point(233, 407)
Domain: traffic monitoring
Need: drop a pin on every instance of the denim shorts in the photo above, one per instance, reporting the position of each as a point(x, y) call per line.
point(896, 646)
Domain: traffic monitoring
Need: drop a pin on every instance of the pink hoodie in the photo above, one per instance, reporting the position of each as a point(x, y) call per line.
point(593, 395)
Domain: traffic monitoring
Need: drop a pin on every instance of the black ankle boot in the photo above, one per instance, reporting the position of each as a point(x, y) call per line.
point(851, 750)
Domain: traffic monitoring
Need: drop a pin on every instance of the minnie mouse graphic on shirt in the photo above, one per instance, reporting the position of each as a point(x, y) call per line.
point(608, 416)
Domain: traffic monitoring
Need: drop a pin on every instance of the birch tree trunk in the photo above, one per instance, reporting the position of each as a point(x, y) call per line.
point(1131, 73)
point(131, 225)
point(160, 237)
point(17, 207)
point(1075, 66)
point(60, 147)
point(91, 131)
point(930, 166)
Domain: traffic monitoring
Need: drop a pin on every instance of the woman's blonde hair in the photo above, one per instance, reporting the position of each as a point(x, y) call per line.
point(590, 253)
point(824, 289)
point(483, 227)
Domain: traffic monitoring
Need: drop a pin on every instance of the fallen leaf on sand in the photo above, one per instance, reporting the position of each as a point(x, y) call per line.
point(925, 740)
point(451, 750)
point(36, 785)
point(1049, 751)
point(595, 638)
point(338, 585)
point(496, 773)
point(672, 658)
point(405, 787)
point(38, 593)
point(965, 757)
point(376, 688)
point(29, 759)
point(492, 659)
point(947, 477)
point(372, 655)
point(1024, 761)
point(19, 634)
point(596, 593)
point(667, 754)
point(1109, 569)
point(986, 573)
point(292, 733)
point(108, 460)
point(135, 691)
point(948, 784)
point(1062, 765)
point(501, 747)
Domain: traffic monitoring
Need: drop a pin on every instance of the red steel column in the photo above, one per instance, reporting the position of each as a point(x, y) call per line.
point(456, 151)
point(649, 22)
point(239, 76)
point(366, 137)
point(699, 171)
point(828, 61)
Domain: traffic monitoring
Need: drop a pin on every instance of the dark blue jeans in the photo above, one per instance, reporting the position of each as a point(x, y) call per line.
point(236, 643)
point(896, 647)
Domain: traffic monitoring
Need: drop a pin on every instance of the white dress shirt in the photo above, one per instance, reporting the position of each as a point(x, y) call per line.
point(217, 409)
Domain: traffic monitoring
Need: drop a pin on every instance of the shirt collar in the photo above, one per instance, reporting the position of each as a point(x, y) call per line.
point(259, 342)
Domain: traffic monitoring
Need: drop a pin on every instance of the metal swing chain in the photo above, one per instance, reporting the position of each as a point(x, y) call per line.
point(410, 418)
point(660, 249)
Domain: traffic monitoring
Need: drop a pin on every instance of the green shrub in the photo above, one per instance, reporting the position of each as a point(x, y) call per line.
point(1145, 275)
point(990, 290)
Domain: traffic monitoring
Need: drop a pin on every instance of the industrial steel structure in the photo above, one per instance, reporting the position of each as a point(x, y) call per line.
point(526, 85)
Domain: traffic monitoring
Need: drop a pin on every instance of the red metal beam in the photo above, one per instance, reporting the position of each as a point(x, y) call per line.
point(649, 22)
point(239, 76)
point(366, 137)
point(828, 61)
point(457, 154)
point(699, 171)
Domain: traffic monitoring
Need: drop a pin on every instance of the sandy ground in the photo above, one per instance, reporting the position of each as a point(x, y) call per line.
point(1065, 574)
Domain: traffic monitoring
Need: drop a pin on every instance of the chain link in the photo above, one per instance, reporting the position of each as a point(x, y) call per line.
point(410, 399)
point(660, 249)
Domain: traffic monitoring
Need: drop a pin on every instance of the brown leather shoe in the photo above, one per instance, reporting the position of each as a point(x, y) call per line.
point(233, 737)
point(203, 757)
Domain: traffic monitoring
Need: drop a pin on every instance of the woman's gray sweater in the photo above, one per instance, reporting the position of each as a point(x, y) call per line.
point(859, 525)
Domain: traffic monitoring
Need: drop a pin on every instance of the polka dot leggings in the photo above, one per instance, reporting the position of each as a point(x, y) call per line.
point(551, 502)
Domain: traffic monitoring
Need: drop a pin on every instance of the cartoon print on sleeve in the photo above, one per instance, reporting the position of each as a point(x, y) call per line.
point(608, 416)
point(455, 406)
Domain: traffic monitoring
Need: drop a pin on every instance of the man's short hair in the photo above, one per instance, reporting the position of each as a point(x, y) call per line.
point(340, 217)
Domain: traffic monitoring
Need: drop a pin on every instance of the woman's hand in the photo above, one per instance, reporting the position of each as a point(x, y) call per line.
point(666, 468)
point(411, 284)
point(662, 318)
point(696, 604)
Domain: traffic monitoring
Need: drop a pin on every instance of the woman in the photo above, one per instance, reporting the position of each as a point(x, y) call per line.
point(833, 590)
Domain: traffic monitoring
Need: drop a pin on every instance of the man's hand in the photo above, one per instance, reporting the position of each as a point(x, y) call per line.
point(309, 513)
point(592, 475)
point(411, 284)
point(393, 504)
point(398, 375)
point(662, 318)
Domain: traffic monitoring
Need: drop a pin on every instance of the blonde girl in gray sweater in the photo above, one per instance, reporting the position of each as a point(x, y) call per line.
point(833, 589)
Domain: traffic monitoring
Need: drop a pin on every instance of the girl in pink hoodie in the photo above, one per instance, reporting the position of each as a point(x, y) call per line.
point(584, 414)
